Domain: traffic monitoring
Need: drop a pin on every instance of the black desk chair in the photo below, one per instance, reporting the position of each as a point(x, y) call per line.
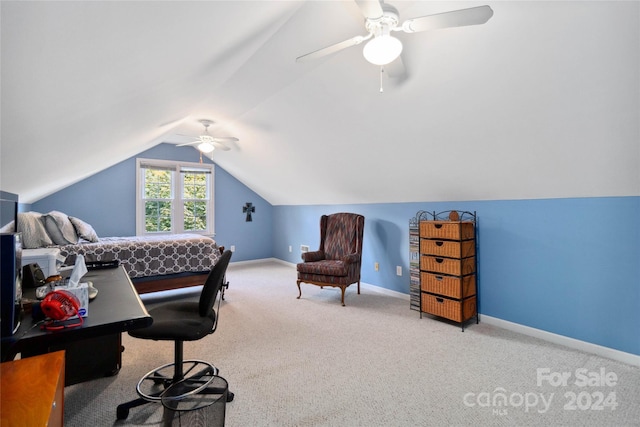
point(181, 321)
point(225, 282)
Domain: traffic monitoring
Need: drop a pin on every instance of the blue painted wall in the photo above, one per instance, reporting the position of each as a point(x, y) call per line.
point(251, 239)
point(107, 201)
point(567, 266)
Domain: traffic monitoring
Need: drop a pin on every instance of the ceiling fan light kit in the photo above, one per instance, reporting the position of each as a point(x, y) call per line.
point(206, 143)
point(381, 19)
point(382, 50)
point(206, 147)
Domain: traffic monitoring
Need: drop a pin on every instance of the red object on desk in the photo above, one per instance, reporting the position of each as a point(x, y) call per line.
point(92, 349)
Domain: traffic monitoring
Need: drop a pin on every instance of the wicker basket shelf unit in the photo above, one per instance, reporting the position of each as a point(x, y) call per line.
point(443, 265)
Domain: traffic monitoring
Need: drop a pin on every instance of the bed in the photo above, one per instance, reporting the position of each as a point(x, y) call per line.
point(154, 263)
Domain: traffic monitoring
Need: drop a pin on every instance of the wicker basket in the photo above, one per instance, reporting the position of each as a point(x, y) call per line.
point(449, 230)
point(453, 267)
point(447, 248)
point(458, 311)
point(450, 286)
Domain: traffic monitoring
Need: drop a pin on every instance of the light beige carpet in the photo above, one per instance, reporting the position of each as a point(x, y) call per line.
point(312, 362)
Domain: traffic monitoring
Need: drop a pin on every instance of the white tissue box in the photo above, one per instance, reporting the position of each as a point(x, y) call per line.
point(81, 291)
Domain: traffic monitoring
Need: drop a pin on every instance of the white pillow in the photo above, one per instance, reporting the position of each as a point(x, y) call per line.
point(34, 235)
point(84, 230)
point(60, 228)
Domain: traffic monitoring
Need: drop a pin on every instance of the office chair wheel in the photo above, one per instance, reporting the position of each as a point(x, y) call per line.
point(122, 413)
point(230, 396)
point(198, 374)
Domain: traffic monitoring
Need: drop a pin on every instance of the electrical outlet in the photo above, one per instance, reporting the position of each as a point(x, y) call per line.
point(290, 248)
point(232, 248)
point(304, 248)
point(376, 266)
point(399, 270)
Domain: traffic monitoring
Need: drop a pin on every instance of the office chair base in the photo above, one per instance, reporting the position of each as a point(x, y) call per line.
point(198, 374)
point(122, 411)
point(158, 385)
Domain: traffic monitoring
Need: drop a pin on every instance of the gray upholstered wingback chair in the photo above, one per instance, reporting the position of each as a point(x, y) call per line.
point(337, 262)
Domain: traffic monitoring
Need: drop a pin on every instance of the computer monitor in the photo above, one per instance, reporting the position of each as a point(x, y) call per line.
point(8, 209)
point(10, 267)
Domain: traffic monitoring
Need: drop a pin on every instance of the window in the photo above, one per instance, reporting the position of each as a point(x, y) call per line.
point(174, 197)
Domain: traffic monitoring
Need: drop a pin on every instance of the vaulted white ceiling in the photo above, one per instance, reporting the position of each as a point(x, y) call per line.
point(542, 101)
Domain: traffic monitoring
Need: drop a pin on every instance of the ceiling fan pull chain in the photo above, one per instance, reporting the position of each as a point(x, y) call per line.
point(381, 71)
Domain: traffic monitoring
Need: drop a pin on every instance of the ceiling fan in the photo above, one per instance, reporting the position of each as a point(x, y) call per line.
point(382, 19)
point(207, 143)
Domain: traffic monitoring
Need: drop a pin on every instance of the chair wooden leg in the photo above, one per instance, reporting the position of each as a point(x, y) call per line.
point(299, 290)
point(358, 287)
point(343, 288)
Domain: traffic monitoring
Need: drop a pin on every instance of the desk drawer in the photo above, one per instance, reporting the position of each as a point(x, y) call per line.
point(87, 359)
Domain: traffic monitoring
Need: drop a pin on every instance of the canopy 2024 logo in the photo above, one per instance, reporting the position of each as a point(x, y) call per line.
point(586, 393)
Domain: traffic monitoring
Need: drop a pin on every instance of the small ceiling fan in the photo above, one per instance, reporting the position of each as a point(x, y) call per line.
point(207, 143)
point(381, 19)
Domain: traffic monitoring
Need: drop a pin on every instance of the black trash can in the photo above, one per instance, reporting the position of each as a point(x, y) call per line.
point(205, 407)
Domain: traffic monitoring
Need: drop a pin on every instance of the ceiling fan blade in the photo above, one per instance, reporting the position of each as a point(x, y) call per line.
point(456, 18)
point(370, 8)
point(332, 49)
point(219, 142)
point(188, 143)
point(225, 138)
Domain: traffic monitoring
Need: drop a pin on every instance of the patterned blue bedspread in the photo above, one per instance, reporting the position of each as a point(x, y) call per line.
point(145, 256)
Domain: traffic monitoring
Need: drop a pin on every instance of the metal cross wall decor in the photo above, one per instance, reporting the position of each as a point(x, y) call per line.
point(248, 208)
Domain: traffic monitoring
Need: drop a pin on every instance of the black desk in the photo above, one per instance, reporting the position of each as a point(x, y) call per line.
point(116, 309)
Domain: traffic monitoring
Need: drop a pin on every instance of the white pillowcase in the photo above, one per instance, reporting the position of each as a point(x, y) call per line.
point(60, 228)
point(34, 234)
point(84, 230)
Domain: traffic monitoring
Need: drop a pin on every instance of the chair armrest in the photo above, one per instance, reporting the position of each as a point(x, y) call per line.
point(351, 259)
point(312, 256)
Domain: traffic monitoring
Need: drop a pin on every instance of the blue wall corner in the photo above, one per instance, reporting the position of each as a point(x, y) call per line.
point(566, 266)
point(252, 240)
point(107, 201)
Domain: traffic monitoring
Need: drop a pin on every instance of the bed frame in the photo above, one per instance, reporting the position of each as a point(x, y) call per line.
point(164, 283)
point(146, 285)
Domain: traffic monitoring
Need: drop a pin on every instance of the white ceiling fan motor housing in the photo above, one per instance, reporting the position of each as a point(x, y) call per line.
point(384, 24)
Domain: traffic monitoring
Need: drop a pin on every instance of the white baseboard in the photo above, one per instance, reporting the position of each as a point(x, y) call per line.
point(374, 288)
point(281, 261)
point(385, 291)
point(598, 350)
point(257, 261)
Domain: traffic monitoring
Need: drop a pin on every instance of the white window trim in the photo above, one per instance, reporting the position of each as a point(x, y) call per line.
point(177, 165)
